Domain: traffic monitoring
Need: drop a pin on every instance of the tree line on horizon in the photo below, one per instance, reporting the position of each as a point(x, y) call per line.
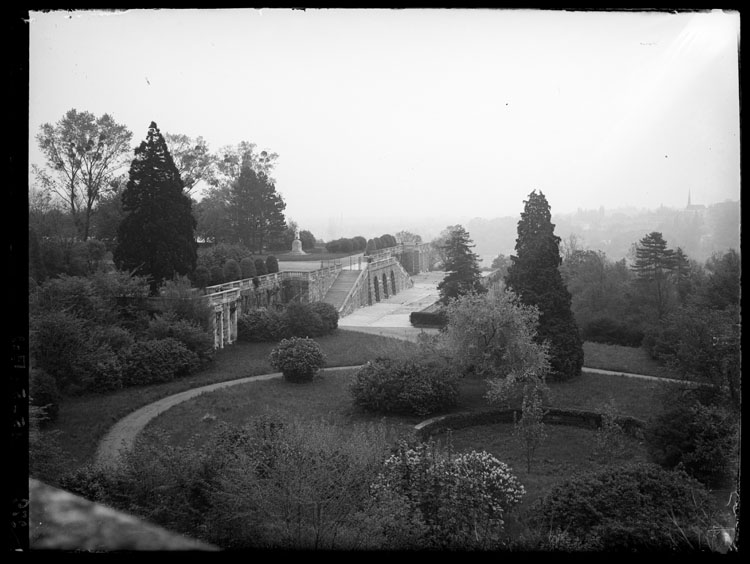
point(147, 218)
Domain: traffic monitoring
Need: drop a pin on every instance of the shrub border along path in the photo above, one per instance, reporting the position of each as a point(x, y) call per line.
point(122, 435)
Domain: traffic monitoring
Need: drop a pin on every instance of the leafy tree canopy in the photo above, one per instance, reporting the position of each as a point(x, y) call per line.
point(84, 153)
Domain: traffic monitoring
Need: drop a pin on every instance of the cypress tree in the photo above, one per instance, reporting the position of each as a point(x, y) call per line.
point(260, 267)
point(155, 238)
point(462, 266)
point(534, 275)
point(272, 264)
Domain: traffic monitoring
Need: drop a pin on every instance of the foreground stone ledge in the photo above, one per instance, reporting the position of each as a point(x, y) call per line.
point(62, 521)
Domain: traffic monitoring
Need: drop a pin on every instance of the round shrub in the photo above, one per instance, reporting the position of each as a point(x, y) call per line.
point(201, 277)
point(157, 360)
point(463, 500)
point(404, 387)
point(260, 325)
point(328, 314)
point(298, 359)
point(217, 275)
point(301, 321)
point(247, 267)
point(272, 264)
point(231, 270)
point(637, 507)
point(260, 267)
point(701, 439)
point(188, 333)
point(43, 392)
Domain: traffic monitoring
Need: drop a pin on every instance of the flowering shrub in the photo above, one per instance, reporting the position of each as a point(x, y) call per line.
point(404, 386)
point(462, 499)
point(298, 359)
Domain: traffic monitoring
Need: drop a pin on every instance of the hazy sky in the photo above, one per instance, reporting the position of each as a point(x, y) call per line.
point(436, 113)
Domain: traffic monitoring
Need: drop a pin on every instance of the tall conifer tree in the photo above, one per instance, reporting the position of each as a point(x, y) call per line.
point(462, 266)
point(653, 266)
point(534, 275)
point(256, 209)
point(156, 236)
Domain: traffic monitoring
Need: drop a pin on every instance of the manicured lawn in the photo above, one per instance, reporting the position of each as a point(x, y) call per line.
point(84, 421)
point(566, 451)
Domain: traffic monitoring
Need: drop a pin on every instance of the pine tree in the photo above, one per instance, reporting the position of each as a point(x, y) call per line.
point(462, 267)
point(653, 266)
point(156, 236)
point(534, 275)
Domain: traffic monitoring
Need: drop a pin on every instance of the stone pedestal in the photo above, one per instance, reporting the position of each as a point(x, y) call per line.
point(297, 248)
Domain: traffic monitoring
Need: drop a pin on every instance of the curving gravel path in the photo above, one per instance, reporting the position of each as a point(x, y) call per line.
point(122, 434)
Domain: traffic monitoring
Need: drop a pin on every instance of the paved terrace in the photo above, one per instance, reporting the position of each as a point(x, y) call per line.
point(390, 317)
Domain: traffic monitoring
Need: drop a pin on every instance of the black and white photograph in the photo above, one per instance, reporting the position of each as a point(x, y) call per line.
point(373, 280)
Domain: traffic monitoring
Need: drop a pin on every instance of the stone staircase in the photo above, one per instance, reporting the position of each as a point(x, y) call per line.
point(340, 289)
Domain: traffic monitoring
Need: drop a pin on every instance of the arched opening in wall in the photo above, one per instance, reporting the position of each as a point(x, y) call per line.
point(393, 282)
point(377, 290)
point(385, 286)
